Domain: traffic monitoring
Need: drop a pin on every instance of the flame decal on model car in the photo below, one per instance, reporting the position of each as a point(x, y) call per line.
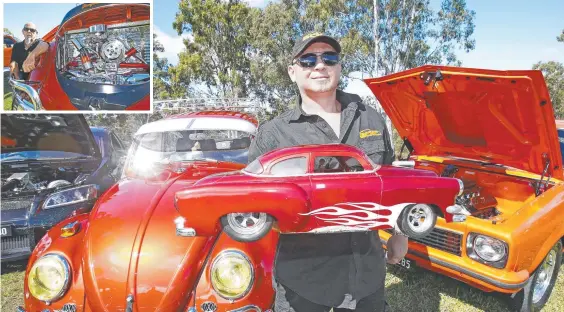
point(363, 216)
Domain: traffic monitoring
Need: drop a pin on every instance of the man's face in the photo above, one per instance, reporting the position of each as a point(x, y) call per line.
point(29, 32)
point(321, 77)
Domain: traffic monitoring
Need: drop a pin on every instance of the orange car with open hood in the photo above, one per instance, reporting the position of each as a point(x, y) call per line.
point(495, 131)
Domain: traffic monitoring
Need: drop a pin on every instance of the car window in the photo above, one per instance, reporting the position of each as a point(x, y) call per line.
point(290, 167)
point(334, 164)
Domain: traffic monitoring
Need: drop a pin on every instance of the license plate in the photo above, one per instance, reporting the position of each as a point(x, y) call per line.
point(6, 231)
point(404, 263)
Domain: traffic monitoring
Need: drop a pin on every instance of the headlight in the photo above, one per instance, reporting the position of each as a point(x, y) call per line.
point(71, 196)
point(487, 250)
point(232, 274)
point(49, 277)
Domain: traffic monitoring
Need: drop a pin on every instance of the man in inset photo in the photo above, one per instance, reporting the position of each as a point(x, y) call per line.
point(26, 53)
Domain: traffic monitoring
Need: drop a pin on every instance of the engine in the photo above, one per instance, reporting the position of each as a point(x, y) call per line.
point(106, 54)
point(474, 198)
point(24, 182)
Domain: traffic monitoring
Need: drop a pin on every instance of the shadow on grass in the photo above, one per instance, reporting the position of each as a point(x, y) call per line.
point(422, 290)
point(15, 266)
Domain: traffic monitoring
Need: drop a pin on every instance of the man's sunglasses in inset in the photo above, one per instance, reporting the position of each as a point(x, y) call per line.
point(310, 59)
point(30, 29)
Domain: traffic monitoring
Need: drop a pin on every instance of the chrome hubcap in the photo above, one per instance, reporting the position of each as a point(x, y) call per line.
point(419, 218)
point(546, 270)
point(247, 222)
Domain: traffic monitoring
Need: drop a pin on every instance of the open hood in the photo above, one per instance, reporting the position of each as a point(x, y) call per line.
point(34, 136)
point(501, 117)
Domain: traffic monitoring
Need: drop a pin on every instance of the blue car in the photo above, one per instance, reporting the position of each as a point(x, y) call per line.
point(52, 166)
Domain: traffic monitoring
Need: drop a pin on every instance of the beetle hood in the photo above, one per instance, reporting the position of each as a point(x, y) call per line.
point(131, 248)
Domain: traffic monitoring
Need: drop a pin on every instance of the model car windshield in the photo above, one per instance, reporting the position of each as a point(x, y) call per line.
point(179, 146)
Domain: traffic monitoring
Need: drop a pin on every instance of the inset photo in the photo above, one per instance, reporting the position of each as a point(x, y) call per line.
point(69, 57)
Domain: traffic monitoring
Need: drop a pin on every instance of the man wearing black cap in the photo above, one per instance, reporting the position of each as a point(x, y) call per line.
point(343, 271)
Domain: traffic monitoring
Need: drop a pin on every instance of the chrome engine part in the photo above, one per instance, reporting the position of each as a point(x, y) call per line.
point(106, 54)
point(29, 181)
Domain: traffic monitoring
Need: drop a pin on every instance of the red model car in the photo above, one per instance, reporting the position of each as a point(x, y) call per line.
point(318, 189)
point(98, 59)
point(133, 252)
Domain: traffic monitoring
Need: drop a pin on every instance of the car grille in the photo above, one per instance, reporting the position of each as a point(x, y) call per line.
point(441, 239)
point(15, 242)
point(17, 203)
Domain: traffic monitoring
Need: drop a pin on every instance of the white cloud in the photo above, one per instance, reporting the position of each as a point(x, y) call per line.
point(172, 44)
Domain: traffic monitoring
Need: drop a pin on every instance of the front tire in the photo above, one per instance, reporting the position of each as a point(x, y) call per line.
point(417, 221)
point(536, 292)
point(248, 226)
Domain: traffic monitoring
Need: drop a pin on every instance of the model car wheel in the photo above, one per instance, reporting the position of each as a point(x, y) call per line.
point(248, 226)
point(539, 286)
point(417, 221)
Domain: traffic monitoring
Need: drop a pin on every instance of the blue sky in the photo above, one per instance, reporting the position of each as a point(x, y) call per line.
point(45, 15)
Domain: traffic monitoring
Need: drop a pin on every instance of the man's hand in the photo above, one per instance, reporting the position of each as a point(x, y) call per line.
point(29, 63)
point(397, 248)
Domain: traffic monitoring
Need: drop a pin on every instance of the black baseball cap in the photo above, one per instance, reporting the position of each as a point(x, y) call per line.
point(310, 38)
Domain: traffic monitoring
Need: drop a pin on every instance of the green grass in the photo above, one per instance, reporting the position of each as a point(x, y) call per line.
point(8, 101)
point(420, 291)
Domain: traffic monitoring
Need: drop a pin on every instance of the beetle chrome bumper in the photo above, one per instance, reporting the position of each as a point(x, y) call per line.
point(19, 103)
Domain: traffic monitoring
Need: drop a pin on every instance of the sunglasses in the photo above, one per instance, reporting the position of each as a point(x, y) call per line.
point(29, 29)
point(310, 59)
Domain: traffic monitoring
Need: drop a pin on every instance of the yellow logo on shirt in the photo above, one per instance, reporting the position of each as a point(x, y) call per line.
point(368, 133)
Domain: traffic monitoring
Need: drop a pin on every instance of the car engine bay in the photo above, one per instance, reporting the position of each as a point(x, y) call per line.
point(106, 54)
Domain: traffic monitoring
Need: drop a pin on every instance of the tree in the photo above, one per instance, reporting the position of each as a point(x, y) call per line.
point(553, 73)
point(216, 58)
point(7, 31)
point(409, 34)
point(167, 82)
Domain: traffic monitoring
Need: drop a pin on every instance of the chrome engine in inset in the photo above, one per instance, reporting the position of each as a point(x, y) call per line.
point(107, 54)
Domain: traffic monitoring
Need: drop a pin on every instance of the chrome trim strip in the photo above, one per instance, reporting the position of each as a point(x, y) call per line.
point(120, 25)
point(250, 307)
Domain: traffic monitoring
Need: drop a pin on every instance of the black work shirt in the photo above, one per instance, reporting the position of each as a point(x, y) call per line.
point(323, 268)
point(20, 54)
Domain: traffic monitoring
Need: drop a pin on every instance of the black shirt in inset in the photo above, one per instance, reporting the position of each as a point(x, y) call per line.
point(20, 54)
point(323, 268)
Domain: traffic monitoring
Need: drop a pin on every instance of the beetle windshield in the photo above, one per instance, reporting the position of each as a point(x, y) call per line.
point(178, 146)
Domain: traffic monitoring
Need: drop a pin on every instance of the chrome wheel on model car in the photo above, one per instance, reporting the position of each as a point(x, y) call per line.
point(546, 270)
point(246, 226)
point(246, 223)
point(417, 221)
point(419, 218)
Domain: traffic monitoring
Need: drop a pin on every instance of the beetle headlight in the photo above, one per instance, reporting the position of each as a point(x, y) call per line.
point(488, 250)
point(49, 277)
point(71, 196)
point(232, 274)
